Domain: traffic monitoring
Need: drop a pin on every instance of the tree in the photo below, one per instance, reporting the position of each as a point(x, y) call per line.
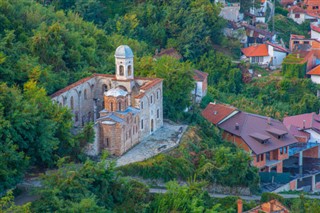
point(7, 205)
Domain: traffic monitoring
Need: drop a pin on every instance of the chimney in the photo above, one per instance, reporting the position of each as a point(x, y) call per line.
point(237, 126)
point(272, 203)
point(239, 202)
point(304, 124)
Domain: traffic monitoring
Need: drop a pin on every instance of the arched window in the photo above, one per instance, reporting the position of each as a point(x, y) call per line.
point(141, 124)
point(141, 105)
point(111, 107)
point(104, 88)
point(121, 70)
point(85, 94)
point(158, 94)
point(129, 70)
point(158, 113)
point(119, 106)
point(151, 99)
point(71, 103)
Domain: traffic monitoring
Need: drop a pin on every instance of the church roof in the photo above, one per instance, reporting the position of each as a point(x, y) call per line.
point(123, 51)
point(116, 92)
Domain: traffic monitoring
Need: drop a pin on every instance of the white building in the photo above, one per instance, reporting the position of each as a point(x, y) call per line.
point(315, 74)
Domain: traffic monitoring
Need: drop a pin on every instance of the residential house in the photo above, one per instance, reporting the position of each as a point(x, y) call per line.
point(256, 35)
point(286, 3)
point(265, 54)
point(312, 6)
point(300, 42)
point(266, 139)
point(315, 74)
point(300, 15)
point(272, 206)
point(200, 90)
point(315, 30)
point(231, 11)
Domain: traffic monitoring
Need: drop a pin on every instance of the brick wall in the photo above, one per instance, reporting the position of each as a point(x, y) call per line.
point(312, 153)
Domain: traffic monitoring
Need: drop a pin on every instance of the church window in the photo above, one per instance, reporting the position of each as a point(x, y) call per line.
point(141, 124)
point(85, 94)
point(151, 99)
point(104, 88)
point(158, 113)
point(158, 94)
point(76, 117)
point(111, 107)
point(121, 70)
point(129, 70)
point(119, 106)
point(107, 142)
point(141, 105)
point(71, 103)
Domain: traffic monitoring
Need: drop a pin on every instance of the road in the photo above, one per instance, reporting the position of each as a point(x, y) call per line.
point(248, 198)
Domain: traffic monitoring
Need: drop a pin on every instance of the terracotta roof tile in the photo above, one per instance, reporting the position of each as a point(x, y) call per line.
point(296, 9)
point(304, 121)
point(77, 83)
point(150, 84)
point(293, 36)
point(199, 76)
point(314, 71)
point(217, 112)
point(315, 27)
point(256, 50)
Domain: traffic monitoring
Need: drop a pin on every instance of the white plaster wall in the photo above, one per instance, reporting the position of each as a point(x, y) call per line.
point(315, 79)
point(278, 57)
point(297, 20)
point(314, 136)
point(315, 34)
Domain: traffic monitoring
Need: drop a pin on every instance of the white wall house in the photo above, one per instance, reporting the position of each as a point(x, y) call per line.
point(315, 74)
point(315, 30)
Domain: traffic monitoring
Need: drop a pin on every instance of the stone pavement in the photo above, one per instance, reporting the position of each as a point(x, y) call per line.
point(161, 140)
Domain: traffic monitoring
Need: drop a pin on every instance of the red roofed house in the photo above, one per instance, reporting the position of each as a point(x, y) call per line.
point(312, 6)
point(265, 54)
point(272, 206)
point(300, 15)
point(265, 138)
point(124, 108)
point(200, 90)
point(315, 74)
point(315, 30)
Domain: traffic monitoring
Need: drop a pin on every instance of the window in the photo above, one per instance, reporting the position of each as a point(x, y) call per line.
point(151, 99)
point(141, 124)
point(129, 70)
point(285, 150)
point(76, 118)
point(158, 94)
point(158, 113)
point(107, 142)
point(121, 70)
point(119, 106)
point(71, 103)
point(104, 88)
point(281, 150)
point(85, 94)
point(297, 15)
point(111, 106)
point(306, 42)
point(296, 42)
point(141, 105)
point(262, 157)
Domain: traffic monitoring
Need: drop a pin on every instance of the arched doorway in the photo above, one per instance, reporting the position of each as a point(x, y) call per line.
point(151, 125)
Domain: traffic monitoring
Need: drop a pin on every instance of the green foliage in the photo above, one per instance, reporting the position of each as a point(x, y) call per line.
point(293, 67)
point(282, 11)
point(91, 187)
point(7, 205)
point(177, 82)
point(267, 196)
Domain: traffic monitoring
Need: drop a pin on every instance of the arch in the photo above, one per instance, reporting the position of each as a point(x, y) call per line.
point(129, 70)
point(158, 93)
point(122, 87)
point(85, 94)
point(152, 125)
point(119, 105)
point(104, 88)
point(121, 70)
point(71, 103)
point(111, 106)
point(151, 99)
point(141, 105)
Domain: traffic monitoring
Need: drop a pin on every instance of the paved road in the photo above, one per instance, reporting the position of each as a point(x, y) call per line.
point(249, 198)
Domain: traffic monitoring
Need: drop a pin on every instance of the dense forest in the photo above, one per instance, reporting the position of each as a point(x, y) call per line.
point(46, 45)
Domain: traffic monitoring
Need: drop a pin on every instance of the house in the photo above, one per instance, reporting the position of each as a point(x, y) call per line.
point(200, 89)
point(306, 59)
point(266, 139)
point(312, 6)
point(315, 74)
point(265, 54)
point(315, 30)
point(300, 42)
point(256, 35)
point(286, 3)
point(272, 206)
point(124, 108)
point(300, 15)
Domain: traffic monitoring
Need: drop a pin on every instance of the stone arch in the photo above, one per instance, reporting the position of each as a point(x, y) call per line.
point(158, 93)
point(122, 87)
point(104, 88)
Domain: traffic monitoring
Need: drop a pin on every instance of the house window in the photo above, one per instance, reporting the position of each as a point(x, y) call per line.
point(281, 151)
point(262, 157)
point(158, 94)
point(297, 15)
point(151, 99)
point(141, 124)
point(306, 42)
point(158, 113)
point(296, 42)
point(258, 158)
point(315, 7)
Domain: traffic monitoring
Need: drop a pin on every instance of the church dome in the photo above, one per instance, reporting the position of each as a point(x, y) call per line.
point(123, 51)
point(116, 92)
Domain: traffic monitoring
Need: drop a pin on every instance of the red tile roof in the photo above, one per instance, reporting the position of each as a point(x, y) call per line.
point(278, 47)
point(77, 83)
point(251, 126)
point(298, 133)
point(304, 121)
point(256, 50)
point(314, 71)
point(217, 112)
point(296, 9)
point(199, 76)
point(315, 27)
point(293, 36)
point(286, 2)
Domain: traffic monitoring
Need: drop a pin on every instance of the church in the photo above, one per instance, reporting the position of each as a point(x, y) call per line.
point(125, 109)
